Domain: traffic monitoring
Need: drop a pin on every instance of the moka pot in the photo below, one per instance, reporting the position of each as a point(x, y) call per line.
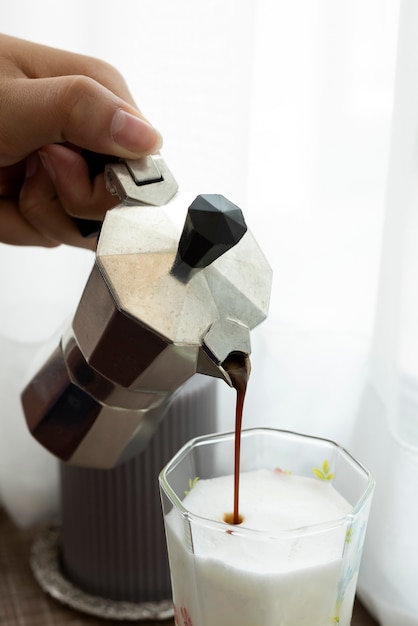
point(158, 307)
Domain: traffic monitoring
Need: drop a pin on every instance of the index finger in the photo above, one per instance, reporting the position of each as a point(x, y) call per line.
point(53, 96)
point(32, 60)
point(74, 109)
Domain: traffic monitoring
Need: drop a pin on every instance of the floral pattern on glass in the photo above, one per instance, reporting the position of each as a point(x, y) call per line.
point(323, 473)
point(183, 615)
point(192, 483)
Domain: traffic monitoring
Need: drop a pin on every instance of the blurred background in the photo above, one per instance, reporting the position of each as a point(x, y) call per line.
point(299, 112)
point(285, 108)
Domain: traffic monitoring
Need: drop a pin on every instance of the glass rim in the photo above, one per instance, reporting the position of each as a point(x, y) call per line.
point(238, 528)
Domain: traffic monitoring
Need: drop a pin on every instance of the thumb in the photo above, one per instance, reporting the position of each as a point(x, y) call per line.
point(75, 109)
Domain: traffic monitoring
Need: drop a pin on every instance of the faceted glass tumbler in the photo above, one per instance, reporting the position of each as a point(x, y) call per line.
point(233, 575)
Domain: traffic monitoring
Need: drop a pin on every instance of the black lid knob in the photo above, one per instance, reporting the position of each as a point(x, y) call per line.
point(213, 225)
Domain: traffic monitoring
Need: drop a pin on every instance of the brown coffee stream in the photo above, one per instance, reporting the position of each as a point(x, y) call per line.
point(238, 368)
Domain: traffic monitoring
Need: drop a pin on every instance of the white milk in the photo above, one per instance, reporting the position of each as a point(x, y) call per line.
point(267, 576)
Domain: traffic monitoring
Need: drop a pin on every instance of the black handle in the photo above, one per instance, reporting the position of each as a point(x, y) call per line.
point(213, 225)
point(96, 163)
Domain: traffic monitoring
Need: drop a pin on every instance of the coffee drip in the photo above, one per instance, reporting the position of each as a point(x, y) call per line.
point(238, 366)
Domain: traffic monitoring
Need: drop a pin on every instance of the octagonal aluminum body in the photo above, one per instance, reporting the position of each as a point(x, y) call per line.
point(145, 324)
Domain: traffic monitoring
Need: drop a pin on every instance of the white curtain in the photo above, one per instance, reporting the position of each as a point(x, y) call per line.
point(305, 113)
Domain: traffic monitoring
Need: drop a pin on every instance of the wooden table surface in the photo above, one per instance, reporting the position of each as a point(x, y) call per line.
point(23, 603)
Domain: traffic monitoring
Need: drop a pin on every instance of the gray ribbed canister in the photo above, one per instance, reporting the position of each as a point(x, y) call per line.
point(112, 535)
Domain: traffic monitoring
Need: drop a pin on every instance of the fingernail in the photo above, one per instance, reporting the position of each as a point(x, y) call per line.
point(46, 162)
point(134, 134)
point(32, 163)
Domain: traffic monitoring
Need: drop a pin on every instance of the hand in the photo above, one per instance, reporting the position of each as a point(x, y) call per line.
point(53, 104)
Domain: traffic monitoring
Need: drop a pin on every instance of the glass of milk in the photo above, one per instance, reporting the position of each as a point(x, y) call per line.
point(294, 558)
